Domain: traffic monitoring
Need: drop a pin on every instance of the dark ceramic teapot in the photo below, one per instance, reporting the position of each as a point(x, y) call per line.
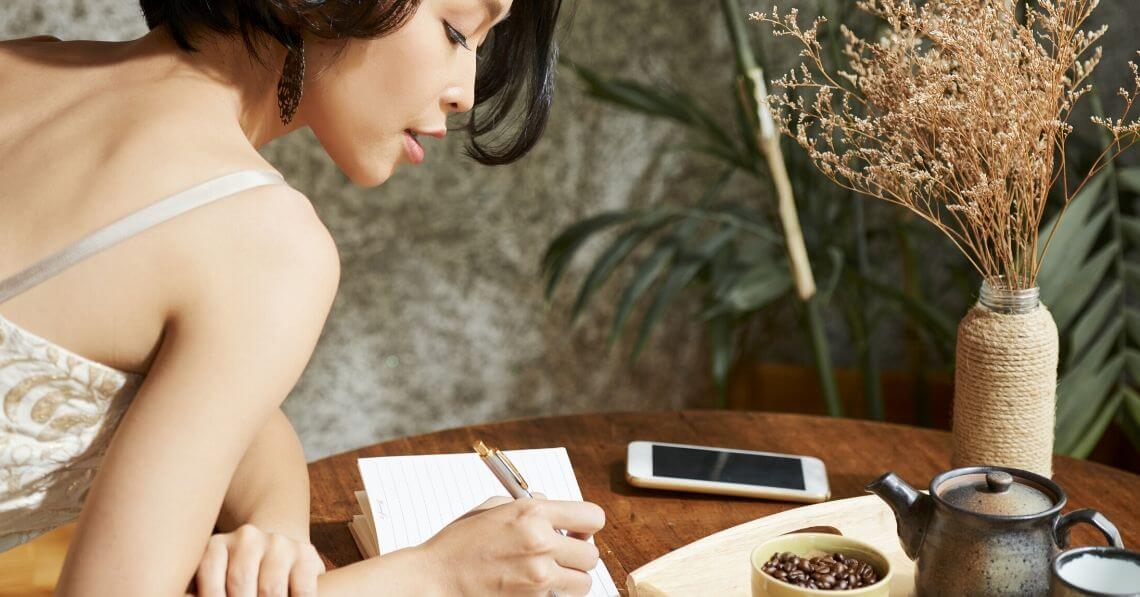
point(984, 530)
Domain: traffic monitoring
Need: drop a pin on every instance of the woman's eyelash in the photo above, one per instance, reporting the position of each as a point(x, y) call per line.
point(455, 35)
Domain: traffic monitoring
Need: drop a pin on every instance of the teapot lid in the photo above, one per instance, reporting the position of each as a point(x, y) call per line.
point(995, 492)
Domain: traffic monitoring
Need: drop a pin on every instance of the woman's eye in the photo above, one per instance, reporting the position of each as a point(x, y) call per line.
point(455, 36)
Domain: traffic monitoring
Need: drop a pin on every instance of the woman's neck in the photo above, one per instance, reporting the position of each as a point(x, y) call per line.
point(221, 71)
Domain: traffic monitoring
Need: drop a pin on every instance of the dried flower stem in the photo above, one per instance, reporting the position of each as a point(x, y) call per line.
point(958, 114)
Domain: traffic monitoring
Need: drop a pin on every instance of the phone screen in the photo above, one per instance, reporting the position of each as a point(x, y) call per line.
point(727, 467)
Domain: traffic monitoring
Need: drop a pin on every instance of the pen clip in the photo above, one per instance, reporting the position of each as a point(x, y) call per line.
point(511, 467)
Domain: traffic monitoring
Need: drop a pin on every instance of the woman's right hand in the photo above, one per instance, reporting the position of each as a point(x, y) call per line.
point(510, 547)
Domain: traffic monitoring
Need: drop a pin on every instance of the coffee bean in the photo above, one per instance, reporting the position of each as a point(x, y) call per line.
point(828, 572)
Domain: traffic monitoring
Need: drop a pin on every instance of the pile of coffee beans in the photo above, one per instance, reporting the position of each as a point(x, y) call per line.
point(834, 572)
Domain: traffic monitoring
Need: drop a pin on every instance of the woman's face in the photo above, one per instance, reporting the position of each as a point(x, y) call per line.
point(364, 104)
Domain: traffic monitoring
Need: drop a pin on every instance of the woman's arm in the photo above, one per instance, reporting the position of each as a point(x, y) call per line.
point(408, 572)
point(261, 539)
point(254, 297)
point(270, 488)
point(504, 547)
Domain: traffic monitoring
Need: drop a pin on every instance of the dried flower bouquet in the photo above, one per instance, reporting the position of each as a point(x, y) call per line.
point(958, 113)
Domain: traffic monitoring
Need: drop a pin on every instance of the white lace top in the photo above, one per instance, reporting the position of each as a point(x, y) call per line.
point(59, 410)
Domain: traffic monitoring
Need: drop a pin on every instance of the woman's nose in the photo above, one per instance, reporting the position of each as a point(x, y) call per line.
point(460, 96)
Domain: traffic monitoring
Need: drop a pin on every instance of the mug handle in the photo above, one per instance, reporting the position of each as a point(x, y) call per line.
point(1090, 516)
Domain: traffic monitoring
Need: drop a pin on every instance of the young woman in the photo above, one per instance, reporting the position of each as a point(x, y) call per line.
point(161, 287)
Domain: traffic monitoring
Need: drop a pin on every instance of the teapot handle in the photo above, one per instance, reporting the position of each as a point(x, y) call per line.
point(1090, 516)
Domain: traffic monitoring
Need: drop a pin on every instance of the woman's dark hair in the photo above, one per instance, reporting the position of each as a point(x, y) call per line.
point(518, 58)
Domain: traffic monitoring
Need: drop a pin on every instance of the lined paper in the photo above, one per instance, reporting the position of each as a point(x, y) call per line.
point(410, 498)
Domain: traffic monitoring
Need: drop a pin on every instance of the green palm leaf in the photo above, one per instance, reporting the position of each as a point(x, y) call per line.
point(1129, 416)
point(648, 271)
point(652, 101)
point(615, 253)
point(1086, 286)
point(562, 249)
point(1131, 228)
point(686, 269)
point(1087, 329)
point(1092, 434)
point(931, 317)
point(1066, 249)
point(1081, 281)
point(721, 349)
point(751, 289)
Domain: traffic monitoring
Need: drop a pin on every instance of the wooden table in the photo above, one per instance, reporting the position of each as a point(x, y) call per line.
point(642, 525)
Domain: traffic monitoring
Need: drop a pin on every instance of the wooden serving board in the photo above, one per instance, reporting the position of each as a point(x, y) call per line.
point(719, 564)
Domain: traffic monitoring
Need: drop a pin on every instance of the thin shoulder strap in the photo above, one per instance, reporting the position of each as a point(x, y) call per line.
point(134, 223)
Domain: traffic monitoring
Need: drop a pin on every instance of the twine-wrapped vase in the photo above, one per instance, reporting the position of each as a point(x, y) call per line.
point(1005, 382)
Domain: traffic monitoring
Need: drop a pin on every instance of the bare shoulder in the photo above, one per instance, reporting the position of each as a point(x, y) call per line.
point(30, 39)
point(256, 273)
point(261, 255)
point(19, 46)
point(14, 53)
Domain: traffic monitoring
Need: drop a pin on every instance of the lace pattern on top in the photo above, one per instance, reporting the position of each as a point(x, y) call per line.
point(57, 415)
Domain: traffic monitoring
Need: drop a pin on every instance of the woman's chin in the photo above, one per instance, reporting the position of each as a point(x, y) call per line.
point(370, 175)
point(368, 167)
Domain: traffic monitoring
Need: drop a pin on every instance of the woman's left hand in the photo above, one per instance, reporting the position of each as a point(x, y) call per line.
point(249, 562)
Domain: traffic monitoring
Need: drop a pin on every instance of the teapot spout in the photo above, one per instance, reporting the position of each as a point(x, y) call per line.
point(912, 510)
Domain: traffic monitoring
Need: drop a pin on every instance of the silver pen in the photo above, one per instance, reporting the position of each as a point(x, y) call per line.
point(505, 471)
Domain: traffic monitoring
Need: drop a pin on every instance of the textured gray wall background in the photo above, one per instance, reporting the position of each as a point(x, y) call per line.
point(440, 319)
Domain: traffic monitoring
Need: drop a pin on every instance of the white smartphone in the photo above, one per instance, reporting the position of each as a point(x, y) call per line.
point(725, 471)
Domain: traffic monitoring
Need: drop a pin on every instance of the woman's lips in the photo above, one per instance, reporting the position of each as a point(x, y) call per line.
point(413, 148)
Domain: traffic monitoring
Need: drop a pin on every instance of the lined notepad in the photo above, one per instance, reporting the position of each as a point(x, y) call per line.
point(407, 499)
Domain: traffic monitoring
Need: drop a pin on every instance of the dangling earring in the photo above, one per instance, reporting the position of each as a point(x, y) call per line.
point(292, 81)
